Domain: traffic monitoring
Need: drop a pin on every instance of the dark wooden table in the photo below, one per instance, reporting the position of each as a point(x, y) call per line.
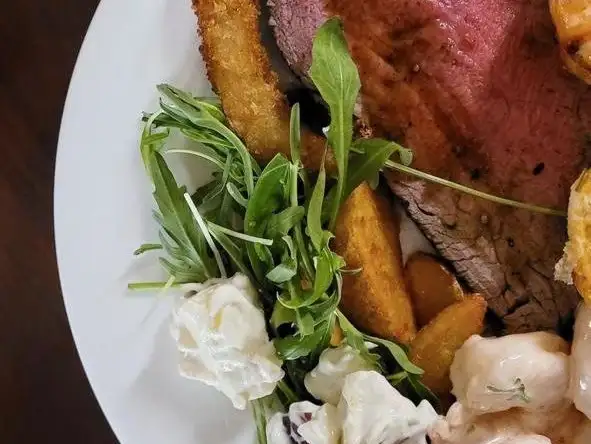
point(44, 394)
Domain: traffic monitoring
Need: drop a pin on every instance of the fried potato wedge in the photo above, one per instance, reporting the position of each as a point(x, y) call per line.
point(432, 286)
point(575, 265)
point(573, 26)
point(435, 345)
point(239, 69)
point(367, 236)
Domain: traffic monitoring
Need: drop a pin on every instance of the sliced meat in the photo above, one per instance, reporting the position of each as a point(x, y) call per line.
point(295, 23)
point(476, 88)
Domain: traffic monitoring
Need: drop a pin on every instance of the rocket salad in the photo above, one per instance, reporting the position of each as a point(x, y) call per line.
point(274, 222)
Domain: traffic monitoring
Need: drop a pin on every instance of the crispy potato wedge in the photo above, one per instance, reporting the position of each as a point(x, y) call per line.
point(375, 299)
point(575, 265)
point(431, 285)
point(435, 345)
point(239, 69)
point(573, 26)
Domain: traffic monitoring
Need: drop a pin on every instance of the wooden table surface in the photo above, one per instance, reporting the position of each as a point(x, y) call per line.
point(44, 394)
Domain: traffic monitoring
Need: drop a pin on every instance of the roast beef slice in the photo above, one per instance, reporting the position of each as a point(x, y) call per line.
point(476, 88)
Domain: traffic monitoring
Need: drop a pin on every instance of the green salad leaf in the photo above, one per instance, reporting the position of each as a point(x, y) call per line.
point(297, 346)
point(369, 158)
point(184, 242)
point(335, 75)
point(272, 222)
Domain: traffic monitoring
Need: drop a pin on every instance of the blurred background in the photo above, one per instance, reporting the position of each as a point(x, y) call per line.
point(44, 394)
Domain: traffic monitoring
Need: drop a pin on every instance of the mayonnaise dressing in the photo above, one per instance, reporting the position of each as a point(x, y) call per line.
point(325, 381)
point(222, 340)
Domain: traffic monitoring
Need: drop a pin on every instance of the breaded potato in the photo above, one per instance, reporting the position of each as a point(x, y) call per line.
point(431, 285)
point(575, 265)
point(367, 236)
point(436, 344)
point(239, 69)
point(573, 27)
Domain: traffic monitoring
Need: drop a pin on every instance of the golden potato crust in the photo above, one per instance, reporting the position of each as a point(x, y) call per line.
point(239, 69)
point(431, 285)
point(435, 345)
point(575, 265)
point(367, 236)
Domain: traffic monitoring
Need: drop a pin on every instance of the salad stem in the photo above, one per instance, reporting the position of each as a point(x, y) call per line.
point(471, 191)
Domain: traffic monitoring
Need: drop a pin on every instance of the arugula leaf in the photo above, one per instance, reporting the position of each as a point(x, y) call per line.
point(335, 75)
point(207, 235)
point(282, 315)
point(305, 323)
point(260, 419)
point(150, 142)
point(294, 296)
point(236, 195)
point(289, 395)
point(355, 339)
point(203, 152)
point(422, 391)
point(184, 240)
point(298, 235)
point(280, 224)
point(298, 346)
point(397, 378)
point(146, 247)
point(516, 392)
point(397, 353)
point(283, 272)
point(367, 165)
point(266, 199)
point(323, 310)
point(318, 236)
point(238, 235)
point(234, 252)
point(325, 274)
point(211, 105)
point(268, 196)
point(295, 134)
point(189, 110)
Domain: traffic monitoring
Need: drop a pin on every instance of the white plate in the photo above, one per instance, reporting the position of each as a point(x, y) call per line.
point(102, 213)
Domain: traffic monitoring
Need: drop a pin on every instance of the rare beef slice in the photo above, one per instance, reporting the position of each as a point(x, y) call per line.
point(477, 90)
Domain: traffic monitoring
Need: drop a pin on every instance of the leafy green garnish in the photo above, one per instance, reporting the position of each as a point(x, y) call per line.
point(273, 224)
point(206, 116)
point(318, 236)
point(369, 159)
point(183, 241)
point(147, 247)
point(474, 192)
point(359, 341)
point(259, 412)
point(335, 75)
point(267, 198)
point(515, 392)
point(297, 346)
